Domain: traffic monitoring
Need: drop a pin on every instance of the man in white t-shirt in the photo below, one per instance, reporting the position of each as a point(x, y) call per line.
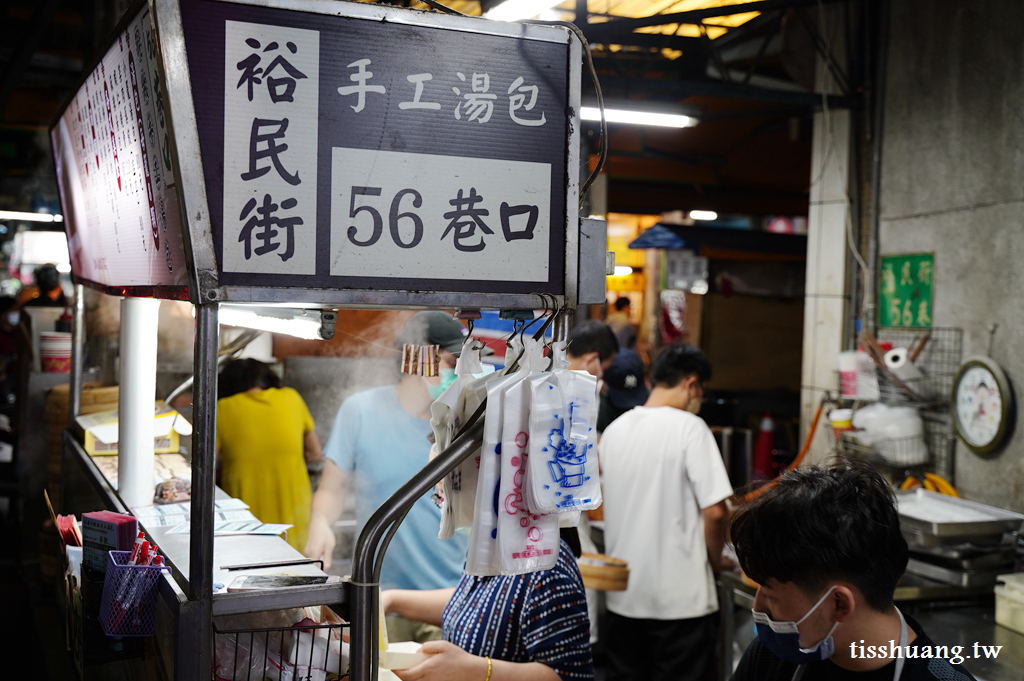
point(664, 510)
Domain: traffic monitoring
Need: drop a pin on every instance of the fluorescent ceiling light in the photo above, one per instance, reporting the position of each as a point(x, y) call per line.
point(30, 217)
point(37, 246)
point(623, 270)
point(300, 324)
point(703, 215)
point(64, 267)
point(592, 113)
point(516, 10)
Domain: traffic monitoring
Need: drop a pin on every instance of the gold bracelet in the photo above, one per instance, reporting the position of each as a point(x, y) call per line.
point(488, 677)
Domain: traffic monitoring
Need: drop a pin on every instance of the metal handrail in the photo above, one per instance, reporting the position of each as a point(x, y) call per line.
point(364, 592)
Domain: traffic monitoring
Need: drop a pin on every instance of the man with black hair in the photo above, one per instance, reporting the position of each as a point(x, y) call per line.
point(46, 292)
point(379, 441)
point(664, 511)
point(826, 548)
point(621, 324)
point(592, 347)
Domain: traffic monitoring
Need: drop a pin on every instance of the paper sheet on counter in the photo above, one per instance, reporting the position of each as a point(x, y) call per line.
point(184, 508)
point(218, 516)
point(236, 527)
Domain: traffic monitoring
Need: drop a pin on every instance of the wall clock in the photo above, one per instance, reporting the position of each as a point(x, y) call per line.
point(982, 405)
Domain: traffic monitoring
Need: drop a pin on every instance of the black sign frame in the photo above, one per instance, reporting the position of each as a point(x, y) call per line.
point(193, 100)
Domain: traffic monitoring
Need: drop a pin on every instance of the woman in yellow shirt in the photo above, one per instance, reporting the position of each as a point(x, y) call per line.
point(265, 437)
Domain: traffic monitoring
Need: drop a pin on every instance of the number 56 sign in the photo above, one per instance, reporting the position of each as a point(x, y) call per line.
point(905, 290)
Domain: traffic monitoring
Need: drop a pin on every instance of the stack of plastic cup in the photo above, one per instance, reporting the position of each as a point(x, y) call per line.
point(55, 352)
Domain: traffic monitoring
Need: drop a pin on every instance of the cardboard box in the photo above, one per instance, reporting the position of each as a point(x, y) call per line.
point(101, 430)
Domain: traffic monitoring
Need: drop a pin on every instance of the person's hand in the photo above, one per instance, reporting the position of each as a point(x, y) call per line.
point(320, 541)
point(447, 662)
point(387, 600)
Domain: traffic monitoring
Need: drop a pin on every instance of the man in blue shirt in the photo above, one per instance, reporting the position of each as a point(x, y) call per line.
point(379, 441)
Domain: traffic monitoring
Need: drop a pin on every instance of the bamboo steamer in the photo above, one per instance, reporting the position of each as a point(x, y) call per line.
point(603, 573)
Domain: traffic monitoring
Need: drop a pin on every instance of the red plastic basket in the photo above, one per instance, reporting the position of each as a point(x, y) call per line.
point(128, 607)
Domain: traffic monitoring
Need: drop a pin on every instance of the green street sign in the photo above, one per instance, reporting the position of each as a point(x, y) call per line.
point(905, 290)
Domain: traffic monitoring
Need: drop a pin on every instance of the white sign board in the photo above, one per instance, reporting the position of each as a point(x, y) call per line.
point(112, 153)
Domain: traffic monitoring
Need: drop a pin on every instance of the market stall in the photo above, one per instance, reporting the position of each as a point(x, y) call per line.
point(228, 153)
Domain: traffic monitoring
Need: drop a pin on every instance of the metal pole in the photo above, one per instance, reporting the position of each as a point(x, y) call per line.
point(363, 591)
point(200, 565)
point(561, 326)
point(878, 97)
point(77, 355)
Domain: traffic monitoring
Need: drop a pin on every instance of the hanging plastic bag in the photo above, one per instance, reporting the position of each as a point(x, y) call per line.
point(448, 414)
point(526, 542)
point(563, 471)
point(483, 559)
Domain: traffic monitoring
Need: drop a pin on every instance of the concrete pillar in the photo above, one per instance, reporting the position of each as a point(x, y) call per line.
point(139, 321)
point(826, 297)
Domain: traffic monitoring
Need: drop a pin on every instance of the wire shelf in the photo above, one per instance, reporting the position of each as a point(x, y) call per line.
point(933, 452)
point(938, 361)
point(296, 653)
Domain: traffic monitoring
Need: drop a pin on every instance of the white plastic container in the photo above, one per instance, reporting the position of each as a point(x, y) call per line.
point(403, 655)
point(1010, 601)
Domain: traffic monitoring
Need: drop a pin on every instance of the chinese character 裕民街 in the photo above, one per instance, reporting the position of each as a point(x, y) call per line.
point(273, 150)
point(479, 104)
point(267, 222)
point(924, 272)
point(465, 219)
point(251, 72)
point(360, 88)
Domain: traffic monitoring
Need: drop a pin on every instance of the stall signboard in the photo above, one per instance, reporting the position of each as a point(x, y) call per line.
point(111, 147)
point(905, 290)
point(350, 148)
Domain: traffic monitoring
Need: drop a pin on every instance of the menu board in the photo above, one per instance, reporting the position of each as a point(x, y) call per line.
point(415, 153)
point(112, 152)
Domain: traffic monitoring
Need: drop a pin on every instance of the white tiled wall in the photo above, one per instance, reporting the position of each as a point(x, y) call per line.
point(825, 302)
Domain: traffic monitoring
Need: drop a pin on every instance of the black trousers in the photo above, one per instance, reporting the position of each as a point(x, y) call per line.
point(661, 650)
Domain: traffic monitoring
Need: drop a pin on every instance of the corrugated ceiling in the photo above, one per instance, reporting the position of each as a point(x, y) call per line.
point(603, 11)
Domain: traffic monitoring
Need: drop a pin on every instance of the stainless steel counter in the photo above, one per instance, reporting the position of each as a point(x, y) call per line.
point(227, 551)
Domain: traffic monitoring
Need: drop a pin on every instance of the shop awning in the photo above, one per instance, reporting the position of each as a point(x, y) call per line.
point(716, 238)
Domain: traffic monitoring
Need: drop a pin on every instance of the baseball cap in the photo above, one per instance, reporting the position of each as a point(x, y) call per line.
point(433, 328)
point(625, 380)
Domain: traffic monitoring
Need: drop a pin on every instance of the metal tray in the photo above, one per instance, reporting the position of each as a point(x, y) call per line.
point(918, 540)
point(984, 561)
point(963, 578)
point(939, 515)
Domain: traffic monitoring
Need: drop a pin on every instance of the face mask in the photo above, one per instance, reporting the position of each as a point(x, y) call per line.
point(447, 378)
point(693, 406)
point(13, 318)
point(783, 638)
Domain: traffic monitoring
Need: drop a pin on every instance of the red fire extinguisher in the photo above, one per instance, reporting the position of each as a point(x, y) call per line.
point(763, 448)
